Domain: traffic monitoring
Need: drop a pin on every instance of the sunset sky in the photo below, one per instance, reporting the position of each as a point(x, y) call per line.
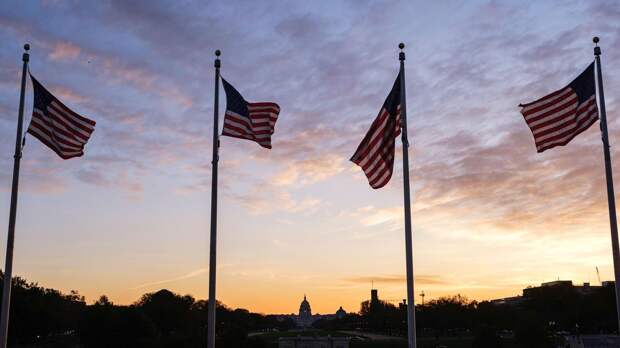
point(490, 215)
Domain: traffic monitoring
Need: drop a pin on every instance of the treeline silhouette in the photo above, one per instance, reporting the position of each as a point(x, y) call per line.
point(46, 317)
point(531, 321)
point(50, 318)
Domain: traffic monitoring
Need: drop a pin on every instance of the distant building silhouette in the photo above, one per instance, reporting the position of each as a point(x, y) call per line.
point(305, 313)
point(341, 313)
point(510, 301)
point(374, 295)
point(584, 289)
point(531, 291)
point(403, 305)
point(304, 318)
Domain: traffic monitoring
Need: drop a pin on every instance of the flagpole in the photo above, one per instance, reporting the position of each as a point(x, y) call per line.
point(8, 265)
point(408, 240)
point(213, 244)
point(611, 200)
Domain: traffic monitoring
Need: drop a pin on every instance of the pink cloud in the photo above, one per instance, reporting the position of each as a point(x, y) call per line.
point(64, 51)
point(68, 95)
point(309, 171)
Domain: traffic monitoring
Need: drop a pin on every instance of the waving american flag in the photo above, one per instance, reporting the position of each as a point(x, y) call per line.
point(557, 118)
point(57, 126)
point(251, 121)
point(375, 154)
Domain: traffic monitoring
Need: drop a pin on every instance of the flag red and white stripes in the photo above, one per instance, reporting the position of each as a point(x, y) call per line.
point(57, 126)
point(375, 154)
point(557, 118)
point(245, 120)
point(258, 127)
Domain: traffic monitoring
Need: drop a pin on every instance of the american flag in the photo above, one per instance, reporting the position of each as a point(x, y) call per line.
point(375, 154)
point(251, 121)
point(56, 126)
point(557, 118)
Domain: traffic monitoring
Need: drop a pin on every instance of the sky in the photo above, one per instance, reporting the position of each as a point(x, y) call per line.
point(490, 215)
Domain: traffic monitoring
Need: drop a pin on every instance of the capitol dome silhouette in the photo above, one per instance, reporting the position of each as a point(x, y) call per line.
point(304, 308)
point(305, 313)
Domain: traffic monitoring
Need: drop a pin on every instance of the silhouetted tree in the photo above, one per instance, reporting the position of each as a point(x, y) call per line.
point(48, 317)
point(106, 325)
point(39, 313)
point(169, 312)
point(446, 314)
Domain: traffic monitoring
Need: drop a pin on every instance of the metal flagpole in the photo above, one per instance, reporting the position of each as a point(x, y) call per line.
point(8, 265)
point(611, 200)
point(403, 116)
point(213, 244)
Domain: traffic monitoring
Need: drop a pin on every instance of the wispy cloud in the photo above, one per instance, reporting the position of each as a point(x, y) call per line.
point(398, 279)
point(260, 202)
point(64, 51)
point(372, 216)
point(189, 275)
point(309, 171)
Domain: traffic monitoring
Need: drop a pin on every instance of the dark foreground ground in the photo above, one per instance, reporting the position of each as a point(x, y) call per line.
point(359, 340)
point(367, 340)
